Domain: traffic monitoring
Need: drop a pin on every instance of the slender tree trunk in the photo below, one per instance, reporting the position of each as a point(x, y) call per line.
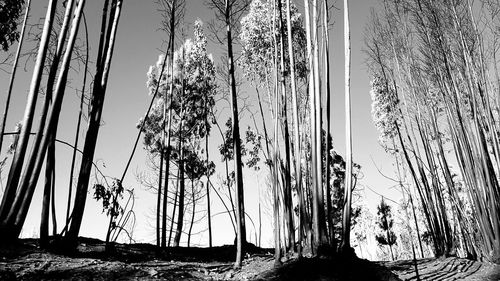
point(29, 181)
point(17, 162)
point(313, 166)
point(78, 125)
point(158, 196)
point(328, 125)
point(169, 125)
point(276, 189)
point(260, 224)
point(192, 215)
point(209, 214)
point(180, 218)
point(53, 201)
point(50, 165)
point(13, 73)
point(288, 208)
point(100, 83)
point(174, 208)
point(167, 173)
point(389, 243)
point(44, 223)
point(160, 174)
point(346, 221)
point(295, 108)
point(182, 188)
point(240, 210)
point(322, 239)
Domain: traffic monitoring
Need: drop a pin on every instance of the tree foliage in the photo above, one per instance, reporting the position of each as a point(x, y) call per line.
point(10, 11)
point(260, 35)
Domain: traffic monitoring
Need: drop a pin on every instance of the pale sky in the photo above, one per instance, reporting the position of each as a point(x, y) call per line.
point(137, 47)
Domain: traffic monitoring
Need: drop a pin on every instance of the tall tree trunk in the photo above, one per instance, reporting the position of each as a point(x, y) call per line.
point(240, 201)
point(78, 125)
point(44, 225)
point(29, 182)
point(17, 162)
point(312, 105)
point(346, 221)
point(288, 203)
point(319, 124)
point(295, 108)
point(276, 157)
point(13, 74)
point(328, 125)
point(98, 94)
point(209, 214)
point(160, 174)
point(167, 174)
point(182, 186)
point(169, 125)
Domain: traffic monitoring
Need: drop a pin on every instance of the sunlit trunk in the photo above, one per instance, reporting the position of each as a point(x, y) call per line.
point(346, 219)
point(19, 155)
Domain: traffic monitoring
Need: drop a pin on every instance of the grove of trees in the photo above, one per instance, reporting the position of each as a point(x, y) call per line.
point(436, 104)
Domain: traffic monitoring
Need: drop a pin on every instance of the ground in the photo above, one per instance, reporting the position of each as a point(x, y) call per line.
point(26, 261)
point(445, 269)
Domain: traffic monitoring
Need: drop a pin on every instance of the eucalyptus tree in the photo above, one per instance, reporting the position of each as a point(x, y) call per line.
point(263, 35)
point(229, 12)
point(15, 215)
point(347, 76)
point(295, 109)
point(327, 120)
point(50, 162)
point(109, 26)
point(19, 155)
point(451, 72)
point(173, 14)
point(188, 102)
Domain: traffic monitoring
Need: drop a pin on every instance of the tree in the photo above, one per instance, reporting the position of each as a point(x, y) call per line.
point(385, 222)
point(229, 12)
point(443, 77)
point(348, 186)
point(103, 66)
point(17, 162)
point(190, 100)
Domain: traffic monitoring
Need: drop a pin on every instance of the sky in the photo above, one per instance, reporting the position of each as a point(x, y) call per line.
point(138, 44)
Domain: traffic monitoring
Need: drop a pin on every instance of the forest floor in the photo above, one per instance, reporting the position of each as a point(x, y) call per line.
point(26, 261)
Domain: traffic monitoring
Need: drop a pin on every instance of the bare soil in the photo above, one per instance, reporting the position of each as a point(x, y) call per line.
point(445, 269)
point(26, 261)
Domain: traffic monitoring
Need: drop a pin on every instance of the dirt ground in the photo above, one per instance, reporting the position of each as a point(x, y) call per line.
point(26, 261)
point(445, 269)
